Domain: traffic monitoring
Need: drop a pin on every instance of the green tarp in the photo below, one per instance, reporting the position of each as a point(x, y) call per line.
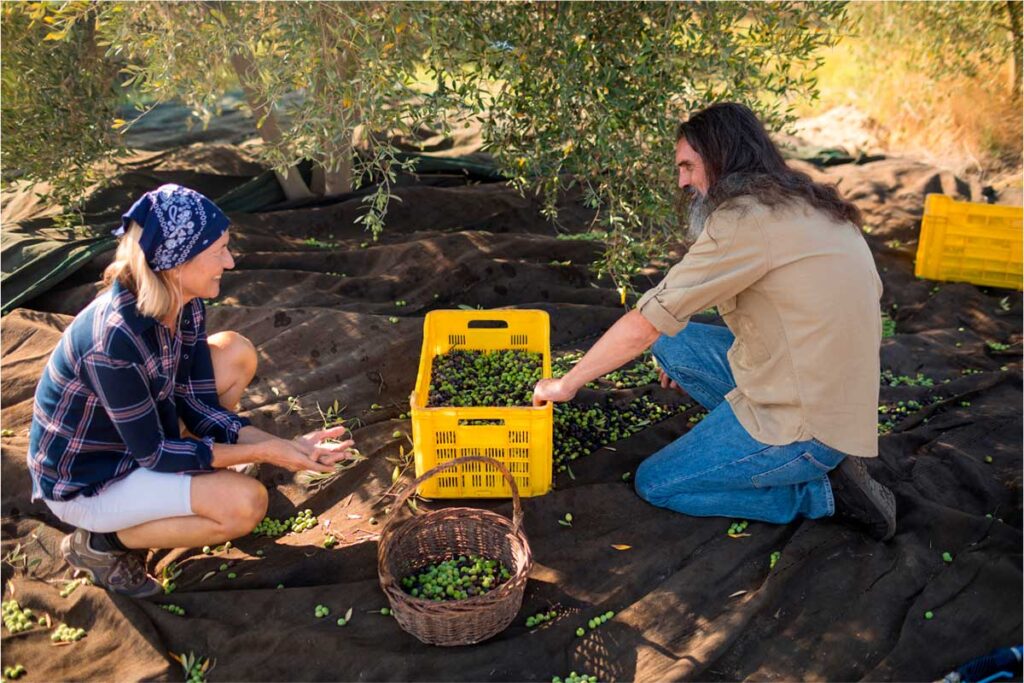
point(33, 263)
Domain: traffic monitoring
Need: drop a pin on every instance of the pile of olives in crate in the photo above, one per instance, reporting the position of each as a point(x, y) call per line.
point(484, 378)
point(458, 578)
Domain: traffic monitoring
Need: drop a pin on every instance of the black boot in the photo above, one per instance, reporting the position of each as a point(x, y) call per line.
point(862, 501)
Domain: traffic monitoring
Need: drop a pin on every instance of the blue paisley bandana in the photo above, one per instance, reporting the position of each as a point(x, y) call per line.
point(177, 223)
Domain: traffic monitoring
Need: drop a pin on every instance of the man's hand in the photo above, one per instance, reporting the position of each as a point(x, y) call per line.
point(555, 390)
point(667, 382)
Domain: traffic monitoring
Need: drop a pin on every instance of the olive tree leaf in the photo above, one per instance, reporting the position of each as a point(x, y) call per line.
point(590, 107)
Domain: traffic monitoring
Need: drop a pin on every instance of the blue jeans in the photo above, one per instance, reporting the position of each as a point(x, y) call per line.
point(717, 469)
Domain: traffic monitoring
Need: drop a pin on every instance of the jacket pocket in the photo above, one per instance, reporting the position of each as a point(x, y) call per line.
point(749, 350)
point(801, 469)
point(726, 307)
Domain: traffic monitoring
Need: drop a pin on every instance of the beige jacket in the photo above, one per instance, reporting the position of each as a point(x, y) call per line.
point(800, 292)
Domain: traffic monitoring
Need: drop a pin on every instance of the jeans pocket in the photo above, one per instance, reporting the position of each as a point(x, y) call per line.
point(801, 469)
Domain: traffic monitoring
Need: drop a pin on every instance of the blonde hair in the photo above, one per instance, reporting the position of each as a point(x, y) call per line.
point(156, 292)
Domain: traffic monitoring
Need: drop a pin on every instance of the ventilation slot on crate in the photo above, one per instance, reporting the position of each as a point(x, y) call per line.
point(445, 437)
point(519, 436)
point(456, 340)
point(519, 453)
point(448, 482)
point(519, 340)
point(445, 454)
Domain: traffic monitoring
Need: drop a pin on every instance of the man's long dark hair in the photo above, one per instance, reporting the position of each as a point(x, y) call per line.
point(741, 159)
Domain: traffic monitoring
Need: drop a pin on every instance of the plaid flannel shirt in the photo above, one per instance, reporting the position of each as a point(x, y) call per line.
point(111, 395)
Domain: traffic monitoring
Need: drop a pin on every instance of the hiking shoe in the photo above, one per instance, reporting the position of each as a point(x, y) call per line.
point(861, 500)
point(120, 572)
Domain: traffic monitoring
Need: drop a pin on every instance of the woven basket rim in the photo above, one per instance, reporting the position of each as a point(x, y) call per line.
point(514, 537)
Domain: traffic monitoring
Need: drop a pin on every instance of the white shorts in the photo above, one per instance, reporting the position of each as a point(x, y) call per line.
point(142, 496)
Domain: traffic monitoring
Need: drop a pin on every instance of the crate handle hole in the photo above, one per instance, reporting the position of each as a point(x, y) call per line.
point(482, 423)
point(487, 324)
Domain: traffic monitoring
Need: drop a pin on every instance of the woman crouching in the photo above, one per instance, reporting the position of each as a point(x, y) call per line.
point(107, 453)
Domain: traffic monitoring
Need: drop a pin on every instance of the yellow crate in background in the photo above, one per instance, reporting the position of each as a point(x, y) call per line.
point(969, 242)
point(520, 438)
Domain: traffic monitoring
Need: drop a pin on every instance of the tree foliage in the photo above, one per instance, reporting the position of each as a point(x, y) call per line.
point(595, 97)
point(945, 39)
point(568, 93)
point(59, 96)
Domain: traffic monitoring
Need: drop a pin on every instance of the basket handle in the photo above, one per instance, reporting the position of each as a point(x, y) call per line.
point(517, 508)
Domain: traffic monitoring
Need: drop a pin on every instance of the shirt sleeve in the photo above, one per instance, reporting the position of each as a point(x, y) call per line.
point(729, 256)
point(123, 391)
point(196, 397)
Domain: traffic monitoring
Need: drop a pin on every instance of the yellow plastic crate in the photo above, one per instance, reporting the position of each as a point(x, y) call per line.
point(969, 242)
point(520, 438)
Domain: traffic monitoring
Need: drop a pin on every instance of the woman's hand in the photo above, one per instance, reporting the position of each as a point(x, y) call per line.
point(326, 453)
point(554, 390)
point(307, 452)
point(315, 439)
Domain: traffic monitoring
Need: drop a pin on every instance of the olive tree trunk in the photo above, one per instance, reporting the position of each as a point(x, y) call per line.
point(331, 179)
point(291, 181)
point(1013, 9)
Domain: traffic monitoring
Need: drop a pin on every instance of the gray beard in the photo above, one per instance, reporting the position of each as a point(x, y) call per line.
point(698, 212)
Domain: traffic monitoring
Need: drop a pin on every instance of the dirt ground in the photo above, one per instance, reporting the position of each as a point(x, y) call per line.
point(690, 602)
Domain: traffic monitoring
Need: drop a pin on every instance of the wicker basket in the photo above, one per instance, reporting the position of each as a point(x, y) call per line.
point(407, 546)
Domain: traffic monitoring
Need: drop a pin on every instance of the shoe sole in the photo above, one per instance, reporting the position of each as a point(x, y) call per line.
point(883, 500)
